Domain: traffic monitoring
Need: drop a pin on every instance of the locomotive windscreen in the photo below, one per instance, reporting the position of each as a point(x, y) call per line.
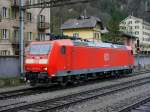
point(40, 48)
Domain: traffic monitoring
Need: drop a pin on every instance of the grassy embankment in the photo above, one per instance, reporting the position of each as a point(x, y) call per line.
point(10, 82)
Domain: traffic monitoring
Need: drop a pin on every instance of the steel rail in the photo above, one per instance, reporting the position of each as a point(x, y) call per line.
point(135, 105)
point(13, 93)
point(37, 90)
point(65, 101)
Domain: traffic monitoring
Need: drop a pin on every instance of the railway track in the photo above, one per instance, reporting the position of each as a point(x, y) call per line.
point(136, 106)
point(15, 93)
point(66, 101)
point(38, 90)
point(21, 92)
point(28, 91)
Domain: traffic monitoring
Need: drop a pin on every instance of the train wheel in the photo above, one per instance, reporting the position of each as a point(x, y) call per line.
point(113, 74)
point(32, 83)
point(64, 81)
point(63, 84)
point(76, 80)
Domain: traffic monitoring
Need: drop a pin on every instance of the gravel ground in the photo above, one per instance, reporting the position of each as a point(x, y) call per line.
point(59, 93)
point(14, 88)
point(50, 95)
point(108, 104)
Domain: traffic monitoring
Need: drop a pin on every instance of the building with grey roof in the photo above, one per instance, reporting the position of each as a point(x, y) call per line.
point(81, 22)
point(83, 27)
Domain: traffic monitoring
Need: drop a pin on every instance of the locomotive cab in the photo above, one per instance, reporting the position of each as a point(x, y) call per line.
point(44, 59)
point(36, 61)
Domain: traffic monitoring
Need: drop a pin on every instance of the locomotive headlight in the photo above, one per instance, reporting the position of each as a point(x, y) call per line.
point(45, 68)
point(29, 61)
point(43, 61)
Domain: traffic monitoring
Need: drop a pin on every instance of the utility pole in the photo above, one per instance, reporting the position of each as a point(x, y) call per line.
point(21, 35)
point(138, 53)
point(49, 20)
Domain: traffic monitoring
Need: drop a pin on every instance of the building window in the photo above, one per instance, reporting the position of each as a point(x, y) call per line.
point(4, 34)
point(30, 2)
point(146, 39)
point(41, 36)
point(4, 12)
point(136, 27)
point(14, 13)
point(130, 27)
point(130, 22)
point(143, 27)
point(122, 27)
point(146, 27)
point(143, 38)
point(137, 21)
point(4, 52)
point(136, 33)
point(96, 36)
point(146, 33)
point(29, 17)
point(130, 32)
point(30, 36)
point(16, 35)
point(42, 18)
point(40, 1)
point(76, 35)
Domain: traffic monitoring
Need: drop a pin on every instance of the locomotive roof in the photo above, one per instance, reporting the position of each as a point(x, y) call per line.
point(83, 43)
point(100, 44)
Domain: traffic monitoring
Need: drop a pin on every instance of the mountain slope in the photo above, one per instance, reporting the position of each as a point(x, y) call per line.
point(110, 11)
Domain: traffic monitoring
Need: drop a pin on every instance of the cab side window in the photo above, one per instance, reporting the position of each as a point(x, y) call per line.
point(131, 52)
point(63, 50)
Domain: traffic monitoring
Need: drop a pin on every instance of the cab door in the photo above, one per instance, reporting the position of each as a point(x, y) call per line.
point(68, 57)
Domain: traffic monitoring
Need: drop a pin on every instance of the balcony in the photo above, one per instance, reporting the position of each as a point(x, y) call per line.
point(43, 25)
point(15, 3)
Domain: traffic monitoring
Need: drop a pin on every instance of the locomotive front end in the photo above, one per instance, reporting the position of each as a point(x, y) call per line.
point(36, 62)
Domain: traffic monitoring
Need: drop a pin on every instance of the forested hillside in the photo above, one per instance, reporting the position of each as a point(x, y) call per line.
point(110, 11)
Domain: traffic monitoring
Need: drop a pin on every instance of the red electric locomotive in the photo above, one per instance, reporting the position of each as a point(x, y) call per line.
point(68, 60)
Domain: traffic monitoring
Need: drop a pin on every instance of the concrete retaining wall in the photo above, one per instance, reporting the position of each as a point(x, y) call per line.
point(143, 60)
point(9, 66)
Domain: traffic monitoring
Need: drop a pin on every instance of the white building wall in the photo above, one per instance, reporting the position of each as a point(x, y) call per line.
point(139, 28)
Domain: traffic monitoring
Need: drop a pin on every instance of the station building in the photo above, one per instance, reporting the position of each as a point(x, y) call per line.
point(137, 27)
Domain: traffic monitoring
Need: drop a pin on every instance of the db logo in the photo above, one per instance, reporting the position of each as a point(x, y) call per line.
point(37, 58)
point(106, 57)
